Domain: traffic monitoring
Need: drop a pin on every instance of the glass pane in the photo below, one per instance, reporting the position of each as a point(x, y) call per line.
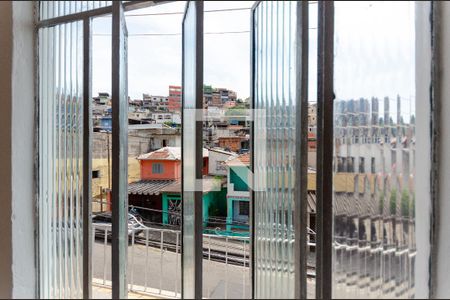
point(275, 143)
point(374, 139)
point(60, 160)
point(53, 9)
point(226, 136)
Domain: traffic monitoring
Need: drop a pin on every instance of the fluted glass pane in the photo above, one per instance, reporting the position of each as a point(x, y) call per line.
point(60, 161)
point(374, 150)
point(275, 41)
point(53, 9)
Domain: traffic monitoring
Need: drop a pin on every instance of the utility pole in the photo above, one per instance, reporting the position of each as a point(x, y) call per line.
point(109, 161)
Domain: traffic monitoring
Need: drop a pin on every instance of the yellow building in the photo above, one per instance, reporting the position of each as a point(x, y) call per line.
point(101, 179)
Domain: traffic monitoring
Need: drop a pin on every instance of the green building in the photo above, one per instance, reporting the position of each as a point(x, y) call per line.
point(214, 202)
point(238, 194)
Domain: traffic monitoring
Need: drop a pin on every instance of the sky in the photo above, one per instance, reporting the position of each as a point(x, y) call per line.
point(374, 49)
point(154, 61)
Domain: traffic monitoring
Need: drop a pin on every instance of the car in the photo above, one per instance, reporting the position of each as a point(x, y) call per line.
point(102, 222)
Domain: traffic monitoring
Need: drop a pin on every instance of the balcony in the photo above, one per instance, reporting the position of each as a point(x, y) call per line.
point(154, 264)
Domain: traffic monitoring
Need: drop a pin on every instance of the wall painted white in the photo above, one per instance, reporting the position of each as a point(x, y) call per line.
point(17, 259)
point(423, 145)
point(22, 142)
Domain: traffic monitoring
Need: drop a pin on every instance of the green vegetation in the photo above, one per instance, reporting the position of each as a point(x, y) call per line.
point(381, 204)
point(393, 202)
point(405, 203)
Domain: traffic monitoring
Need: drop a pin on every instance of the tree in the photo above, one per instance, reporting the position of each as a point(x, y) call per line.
point(405, 203)
point(393, 202)
point(381, 204)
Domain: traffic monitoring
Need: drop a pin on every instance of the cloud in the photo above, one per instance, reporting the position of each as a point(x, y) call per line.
point(154, 62)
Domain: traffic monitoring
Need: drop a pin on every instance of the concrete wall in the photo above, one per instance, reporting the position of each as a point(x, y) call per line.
point(215, 162)
point(17, 217)
point(139, 141)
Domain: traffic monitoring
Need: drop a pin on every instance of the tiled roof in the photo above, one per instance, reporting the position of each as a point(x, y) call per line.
point(209, 184)
point(220, 150)
point(175, 187)
point(241, 159)
point(167, 153)
point(148, 187)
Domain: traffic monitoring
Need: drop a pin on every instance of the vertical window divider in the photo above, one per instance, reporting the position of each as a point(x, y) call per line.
point(87, 158)
point(324, 190)
point(301, 152)
point(252, 153)
point(435, 101)
point(192, 287)
point(119, 194)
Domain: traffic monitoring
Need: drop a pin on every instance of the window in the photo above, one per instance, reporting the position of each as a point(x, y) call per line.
point(220, 166)
point(244, 208)
point(360, 269)
point(361, 165)
point(157, 168)
point(96, 174)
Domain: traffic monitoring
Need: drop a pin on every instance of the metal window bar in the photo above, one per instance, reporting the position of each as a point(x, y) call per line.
point(301, 152)
point(324, 190)
point(119, 153)
point(87, 155)
point(192, 81)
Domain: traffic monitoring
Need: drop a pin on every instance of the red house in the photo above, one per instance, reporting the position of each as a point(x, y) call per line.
point(165, 164)
point(159, 170)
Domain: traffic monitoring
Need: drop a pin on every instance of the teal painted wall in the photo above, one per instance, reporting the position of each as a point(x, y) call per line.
point(214, 204)
point(236, 177)
point(165, 205)
point(230, 213)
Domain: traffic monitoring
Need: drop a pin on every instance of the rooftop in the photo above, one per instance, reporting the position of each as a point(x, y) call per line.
point(243, 159)
point(167, 153)
point(148, 187)
point(210, 184)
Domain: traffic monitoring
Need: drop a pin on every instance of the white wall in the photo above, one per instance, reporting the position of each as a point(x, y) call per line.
point(17, 251)
point(214, 159)
point(423, 165)
point(23, 196)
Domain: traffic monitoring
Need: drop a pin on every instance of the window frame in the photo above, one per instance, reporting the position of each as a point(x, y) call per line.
point(157, 168)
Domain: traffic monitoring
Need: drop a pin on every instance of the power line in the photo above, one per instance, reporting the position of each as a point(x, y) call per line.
point(206, 11)
point(179, 33)
point(175, 34)
point(181, 13)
